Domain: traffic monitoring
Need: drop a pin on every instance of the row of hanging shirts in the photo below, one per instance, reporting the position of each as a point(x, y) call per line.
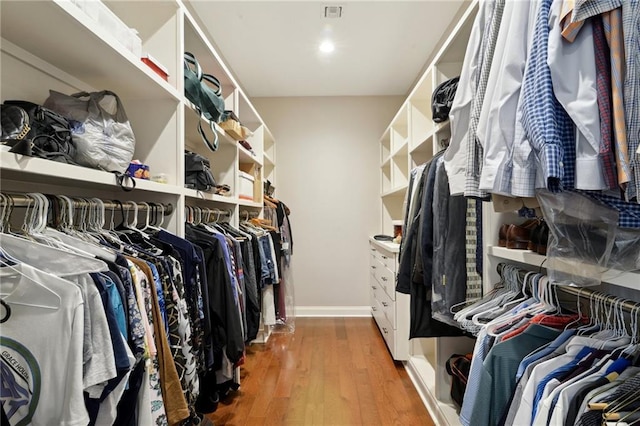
point(534, 364)
point(124, 325)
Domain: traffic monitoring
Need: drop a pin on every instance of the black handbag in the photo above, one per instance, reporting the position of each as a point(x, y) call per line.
point(198, 174)
point(458, 367)
point(442, 99)
point(33, 130)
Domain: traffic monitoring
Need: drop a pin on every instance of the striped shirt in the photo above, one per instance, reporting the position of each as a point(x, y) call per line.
point(631, 29)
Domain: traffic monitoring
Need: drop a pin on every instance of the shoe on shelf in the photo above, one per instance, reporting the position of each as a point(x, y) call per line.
point(519, 236)
point(502, 235)
point(502, 231)
point(535, 237)
point(543, 238)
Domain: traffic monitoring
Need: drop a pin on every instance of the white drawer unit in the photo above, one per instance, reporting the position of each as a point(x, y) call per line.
point(387, 280)
point(389, 308)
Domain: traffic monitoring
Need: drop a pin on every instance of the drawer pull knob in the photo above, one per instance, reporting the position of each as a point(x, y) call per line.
point(385, 257)
point(373, 266)
point(384, 278)
point(374, 287)
point(385, 330)
point(373, 308)
point(385, 304)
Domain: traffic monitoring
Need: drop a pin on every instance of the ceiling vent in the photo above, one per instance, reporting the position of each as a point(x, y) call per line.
point(333, 11)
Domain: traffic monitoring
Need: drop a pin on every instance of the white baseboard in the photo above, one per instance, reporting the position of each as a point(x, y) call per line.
point(423, 376)
point(333, 311)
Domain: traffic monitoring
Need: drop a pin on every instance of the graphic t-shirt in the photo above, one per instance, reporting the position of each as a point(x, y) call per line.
point(41, 349)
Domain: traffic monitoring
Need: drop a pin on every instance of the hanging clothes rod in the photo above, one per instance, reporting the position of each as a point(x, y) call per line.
point(583, 293)
point(23, 200)
point(195, 214)
point(246, 214)
point(210, 211)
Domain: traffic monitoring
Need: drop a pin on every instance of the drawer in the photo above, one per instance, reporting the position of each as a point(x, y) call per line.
point(388, 333)
point(388, 307)
point(375, 286)
point(376, 308)
point(375, 265)
point(387, 279)
point(388, 260)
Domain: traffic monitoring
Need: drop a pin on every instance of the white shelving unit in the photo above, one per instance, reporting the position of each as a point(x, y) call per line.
point(411, 139)
point(55, 44)
point(526, 257)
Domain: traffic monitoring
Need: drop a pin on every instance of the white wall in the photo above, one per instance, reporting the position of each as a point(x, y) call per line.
point(328, 173)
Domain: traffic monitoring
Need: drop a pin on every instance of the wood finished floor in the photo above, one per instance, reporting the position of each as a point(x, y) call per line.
point(331, 371)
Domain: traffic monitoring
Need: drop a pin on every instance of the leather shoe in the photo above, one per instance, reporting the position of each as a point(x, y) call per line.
point(502, 231)
point(543, 238)
point(519, 236)
point(534, 237)
point(502, 235)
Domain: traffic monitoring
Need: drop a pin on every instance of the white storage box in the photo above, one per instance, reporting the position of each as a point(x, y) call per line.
point(246, 186)
point(109, 21)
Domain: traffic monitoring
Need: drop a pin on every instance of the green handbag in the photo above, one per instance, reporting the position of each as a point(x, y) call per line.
point(207, 99)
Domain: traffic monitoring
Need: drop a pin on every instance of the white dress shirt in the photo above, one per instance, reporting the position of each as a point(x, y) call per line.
point(573, 73)
point(540, 371)
point(565, 391)
point(455, 157)
point(496, 127)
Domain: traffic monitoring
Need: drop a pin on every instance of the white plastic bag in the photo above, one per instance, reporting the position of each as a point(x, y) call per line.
point(585, 240)
point(100, 128)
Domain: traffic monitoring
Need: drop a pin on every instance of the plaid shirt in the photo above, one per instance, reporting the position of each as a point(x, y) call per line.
point(631, 30)
point(549, 128)
point(629, 213)
point(475, 152)
point(603, 85)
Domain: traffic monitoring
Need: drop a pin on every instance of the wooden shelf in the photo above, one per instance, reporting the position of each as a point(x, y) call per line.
point(40, 171)
point(191, 118)
point(386, 162)
point(64, 36)
point(195, 41)
point(248, 203)
point(268, 160)
point(440, 126)
point(615, 277)
point(247, 157)
point(199, 195)
point(395, 191)
point(401, 150)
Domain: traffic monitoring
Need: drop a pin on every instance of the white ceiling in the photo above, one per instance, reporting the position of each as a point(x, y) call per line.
point(272, 46)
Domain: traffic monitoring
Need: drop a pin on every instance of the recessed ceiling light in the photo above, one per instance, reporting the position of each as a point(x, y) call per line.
point(327, 46)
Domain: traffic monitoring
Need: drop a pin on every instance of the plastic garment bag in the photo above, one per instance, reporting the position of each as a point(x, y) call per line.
point(585, 240)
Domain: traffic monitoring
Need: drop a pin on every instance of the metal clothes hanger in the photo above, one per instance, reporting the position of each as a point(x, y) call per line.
point(147, 216)
point(159, 225)
point(31, 298)
point(491, 299)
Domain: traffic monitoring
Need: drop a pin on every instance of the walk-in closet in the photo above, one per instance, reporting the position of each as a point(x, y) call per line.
point(419, 212)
